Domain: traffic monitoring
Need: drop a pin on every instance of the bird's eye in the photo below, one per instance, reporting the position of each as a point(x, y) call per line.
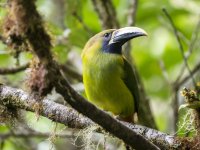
point(106, 34)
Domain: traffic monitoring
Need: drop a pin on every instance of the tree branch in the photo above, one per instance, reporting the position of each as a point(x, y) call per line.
point(62, 114)
point(64, 67)
point(17, 98)
point(180, 45)
point(106, 13)
point(4, 71)
point(100, 117)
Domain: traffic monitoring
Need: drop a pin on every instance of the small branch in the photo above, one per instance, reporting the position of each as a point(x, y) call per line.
point(12, 97)
point(130, 22)
point(59, 12)
point(4, 71)
point(71, 72)
point(132, 12)
point(175, 107)
point(4, 136)
point(193, 41)
point(186, 78)
point(174, 91)
point(82, 23)
point(164, 72)
point(180, 45)
point(66, 69)
point(106, 13)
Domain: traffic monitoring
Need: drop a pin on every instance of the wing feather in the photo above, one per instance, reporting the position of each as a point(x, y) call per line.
point(131, 82)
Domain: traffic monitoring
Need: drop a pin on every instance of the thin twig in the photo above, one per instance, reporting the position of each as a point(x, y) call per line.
point(130, 22)
point(71, 72)
point(82, 23)
point(164, 72)
point(193, 40)
point(4, 71)
point(106, 13)
point(4, 136)
point(175, 106)
point(132, 12)
point(66, 69)
point(186, 78)
point(180, 45)
point(59, 13)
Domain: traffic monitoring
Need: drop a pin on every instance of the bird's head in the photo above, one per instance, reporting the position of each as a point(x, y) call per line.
point(111, 41)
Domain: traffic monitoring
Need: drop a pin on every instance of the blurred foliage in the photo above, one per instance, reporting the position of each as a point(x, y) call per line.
point(70, 24)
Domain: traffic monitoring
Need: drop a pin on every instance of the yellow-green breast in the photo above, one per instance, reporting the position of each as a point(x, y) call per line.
point(103, 75)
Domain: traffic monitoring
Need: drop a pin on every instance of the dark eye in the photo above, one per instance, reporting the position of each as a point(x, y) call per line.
point(106, 35)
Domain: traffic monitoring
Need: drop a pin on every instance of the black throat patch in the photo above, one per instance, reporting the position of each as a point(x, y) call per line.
point(114, 48)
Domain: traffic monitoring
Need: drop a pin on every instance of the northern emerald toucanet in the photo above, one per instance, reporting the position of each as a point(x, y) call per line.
point(109, 80)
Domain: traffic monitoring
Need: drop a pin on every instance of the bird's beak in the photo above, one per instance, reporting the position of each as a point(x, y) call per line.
point(123, 35)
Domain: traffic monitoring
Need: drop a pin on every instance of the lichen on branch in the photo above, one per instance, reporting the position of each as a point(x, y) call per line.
point(23, 26)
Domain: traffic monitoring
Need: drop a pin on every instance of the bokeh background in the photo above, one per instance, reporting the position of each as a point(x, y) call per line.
point(158, 59)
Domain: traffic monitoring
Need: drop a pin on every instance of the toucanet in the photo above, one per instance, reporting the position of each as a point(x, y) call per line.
point(109, 80)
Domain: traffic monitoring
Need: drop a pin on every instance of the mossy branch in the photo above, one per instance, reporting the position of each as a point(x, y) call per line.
point(17, 98)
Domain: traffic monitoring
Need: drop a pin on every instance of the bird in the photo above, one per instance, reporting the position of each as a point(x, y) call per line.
point(109, 80)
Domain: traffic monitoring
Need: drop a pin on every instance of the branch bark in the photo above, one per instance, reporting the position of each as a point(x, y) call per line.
point(17, 98)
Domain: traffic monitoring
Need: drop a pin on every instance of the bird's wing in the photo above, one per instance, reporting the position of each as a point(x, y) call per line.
point(131, 82)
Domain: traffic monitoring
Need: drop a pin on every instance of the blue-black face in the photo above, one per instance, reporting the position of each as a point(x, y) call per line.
point(114, 48)
point(113, 40)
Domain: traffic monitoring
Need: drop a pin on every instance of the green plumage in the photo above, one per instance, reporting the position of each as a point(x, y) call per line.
point(131, 82)
point(109, 80)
